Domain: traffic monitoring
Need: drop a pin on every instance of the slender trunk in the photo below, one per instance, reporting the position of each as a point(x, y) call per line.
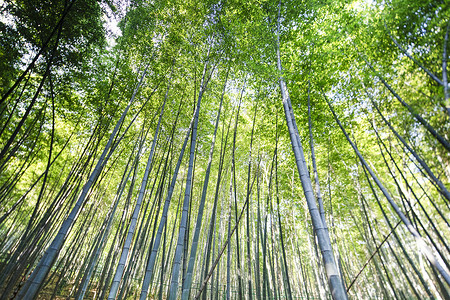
point(124, 256)
point(238, 256)
point(110, 217)
point(188, 281)
point(258, 238)
point(228, 297)
point(187, 196)
point(249, 260)
point(336, 286)
point(283, 251)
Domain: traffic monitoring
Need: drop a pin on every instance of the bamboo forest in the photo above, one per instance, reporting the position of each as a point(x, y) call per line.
point(224, 149)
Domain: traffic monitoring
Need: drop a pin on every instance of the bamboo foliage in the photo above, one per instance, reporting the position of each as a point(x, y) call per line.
point(99, 199)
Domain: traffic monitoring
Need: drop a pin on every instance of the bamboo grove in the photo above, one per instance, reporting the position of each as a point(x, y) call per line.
point(224, 149)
